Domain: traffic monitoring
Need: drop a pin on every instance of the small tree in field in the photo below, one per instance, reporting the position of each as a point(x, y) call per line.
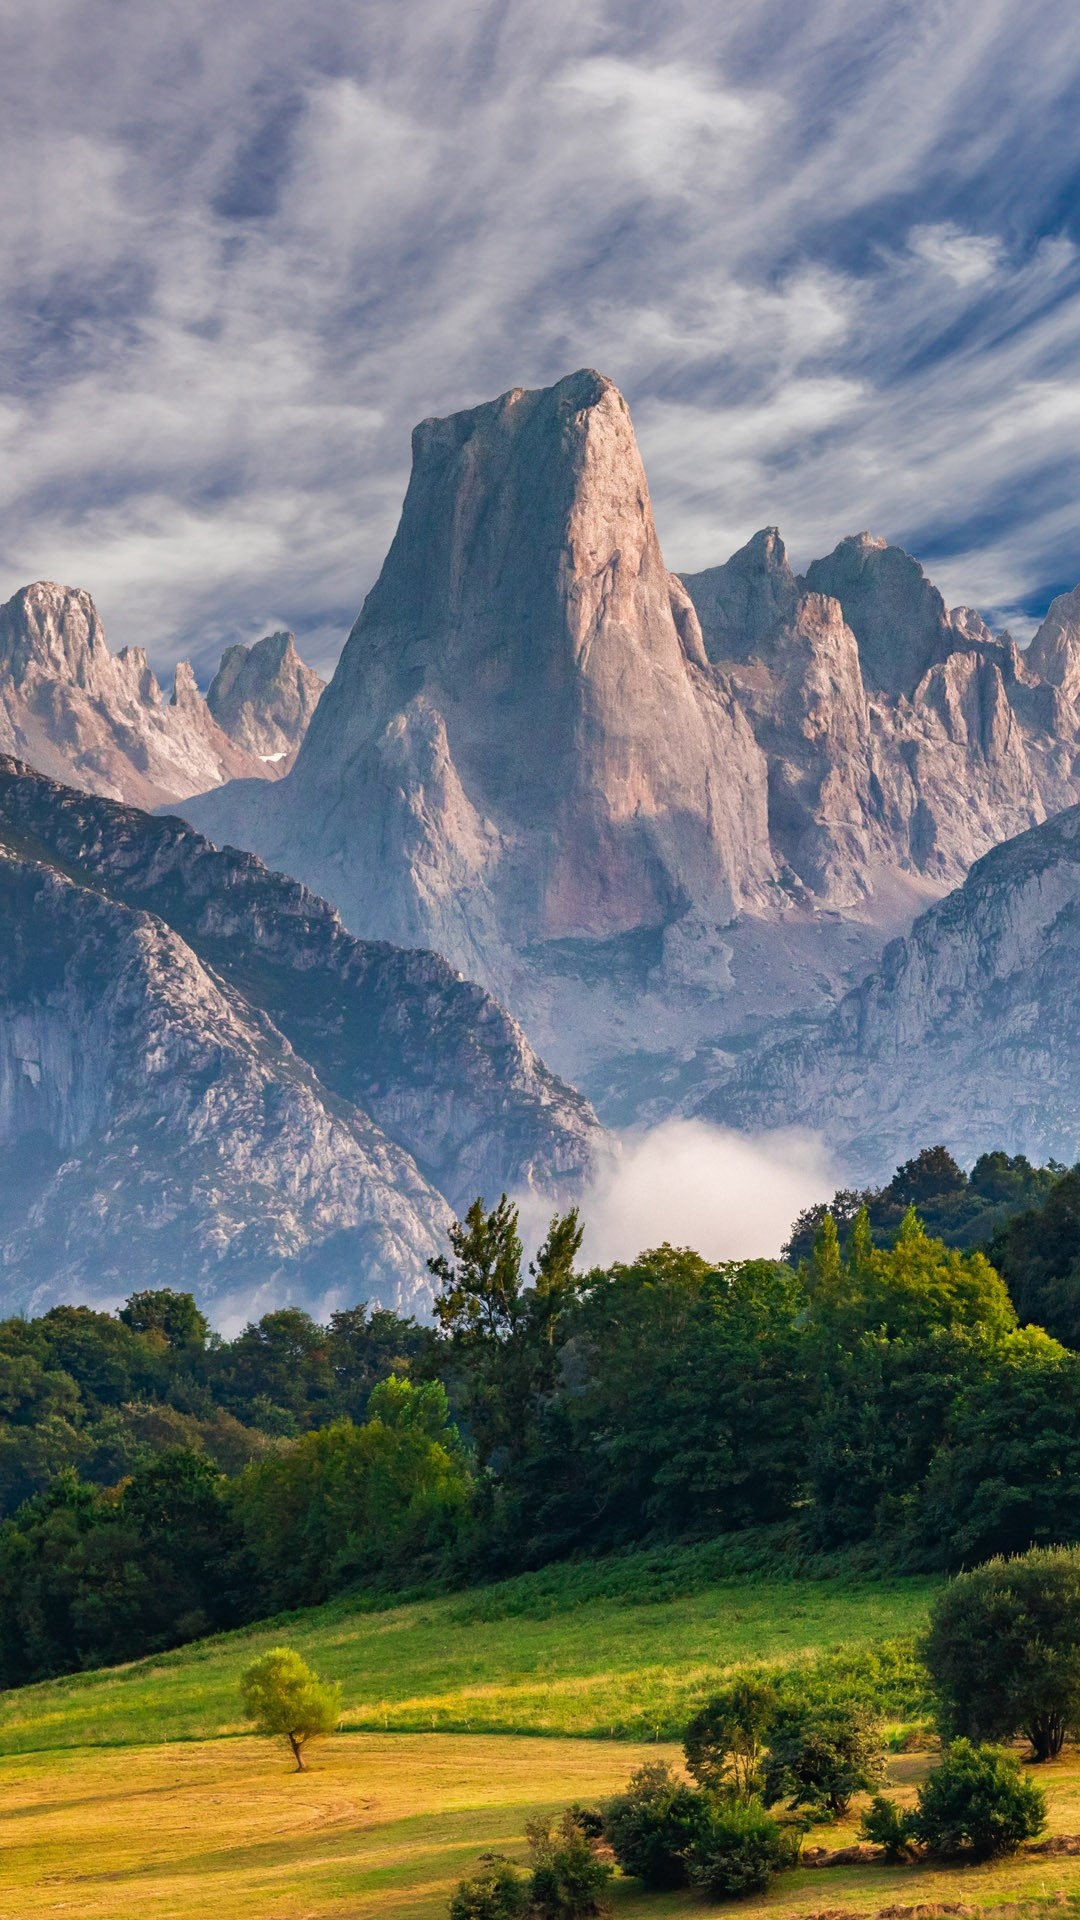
point(285, 1699)
point(724, 1741)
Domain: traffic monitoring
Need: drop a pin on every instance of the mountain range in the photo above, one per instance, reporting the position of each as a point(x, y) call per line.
point(99, 721)
point(763, 847)
point(206, 1083)
point(659, 817)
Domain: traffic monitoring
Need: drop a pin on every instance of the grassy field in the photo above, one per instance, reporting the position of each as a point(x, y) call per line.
point(569, 1652)
point(138, 1792)
point(384, 1825)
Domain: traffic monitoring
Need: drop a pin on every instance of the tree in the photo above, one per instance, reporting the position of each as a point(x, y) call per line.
point(1003, 1650)
point(975, 1803)
point(651, 1824)
point(496, 1892)
point(1006, 1476)
point(740, 1850)
point(499, 1337)
point(288, 1701)
point(723, 1743)
point(174, 1316)
point(346, 1503)
point(1038, 1254)
point(821, 1756)
point(568, 1877)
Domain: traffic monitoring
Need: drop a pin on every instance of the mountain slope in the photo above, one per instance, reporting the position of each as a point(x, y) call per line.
point(205, 1081)
point(968, 1032)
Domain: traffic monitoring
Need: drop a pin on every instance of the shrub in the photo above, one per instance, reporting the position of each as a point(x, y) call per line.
point(650, 1826)
point(723, 1742)
point(497, 1892)
point(886, 1825)
point(1003, 1650)
point(739, 1850)
point(976, 1803)
point(567, 1876)
point(820, 1758)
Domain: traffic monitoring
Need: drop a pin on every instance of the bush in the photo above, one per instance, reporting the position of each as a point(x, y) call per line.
point(650, 1826)
point(567, 1876)
point(724, 1741)
point(821, 1757)
point(886, 1825)
point(976, 1803)
point(739, 1850)
point(497, 1892)
point(1003, 1650)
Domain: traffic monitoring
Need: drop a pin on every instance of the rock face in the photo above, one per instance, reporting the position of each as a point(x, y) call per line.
point(610, 794)
point(900, 739)
point(99, 721)
point(898, 618)
point(205, 1082)
point(263, 697)
point(523, 742)
point(968, 1032)
point(1054, 654)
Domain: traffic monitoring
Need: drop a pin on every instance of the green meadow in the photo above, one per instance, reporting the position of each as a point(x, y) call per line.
point(138, 1791)
point(617, 1650)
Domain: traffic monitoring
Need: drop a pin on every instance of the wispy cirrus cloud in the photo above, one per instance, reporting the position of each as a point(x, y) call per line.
point(829, 253)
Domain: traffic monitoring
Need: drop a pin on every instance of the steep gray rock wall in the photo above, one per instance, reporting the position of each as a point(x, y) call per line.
point(616, 797)
point(968, 1032)
point(324, 1101)
point(263, 697)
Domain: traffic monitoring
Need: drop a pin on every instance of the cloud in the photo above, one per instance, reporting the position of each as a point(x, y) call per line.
point(729, 1196)
point(829, 253)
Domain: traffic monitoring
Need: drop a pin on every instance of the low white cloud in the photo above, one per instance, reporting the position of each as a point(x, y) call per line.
point(730, 1196)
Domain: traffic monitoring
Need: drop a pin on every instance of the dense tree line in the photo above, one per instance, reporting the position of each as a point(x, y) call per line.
point(876, 1390)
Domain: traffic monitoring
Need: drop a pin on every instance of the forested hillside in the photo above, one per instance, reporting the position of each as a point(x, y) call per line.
point(880, 1394)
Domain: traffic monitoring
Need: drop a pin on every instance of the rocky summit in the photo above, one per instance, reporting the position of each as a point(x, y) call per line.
point(263, 697)
point(655, 815)
point(206, 1083)
point(100, 721)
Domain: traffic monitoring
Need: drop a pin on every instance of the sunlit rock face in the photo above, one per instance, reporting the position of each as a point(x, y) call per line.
point(98, 720)
point(523, 741)
point(655, 815)
point(263, 697)
point(206, 1082)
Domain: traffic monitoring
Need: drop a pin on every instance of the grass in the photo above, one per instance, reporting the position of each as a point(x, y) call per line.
point(606, 1651)
point(136, 1791)
point(385, 1824)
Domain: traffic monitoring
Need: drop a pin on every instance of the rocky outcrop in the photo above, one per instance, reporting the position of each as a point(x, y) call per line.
point(523, 741)
point(97, 720)
point(968, 1032)
point(746, 603)
point(898, 617)
point(1054, 654)
point(206, 1082)
point(263, 697)
point(900, 738)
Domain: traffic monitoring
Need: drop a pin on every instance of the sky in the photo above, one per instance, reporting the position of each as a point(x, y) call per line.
point(829, 251)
